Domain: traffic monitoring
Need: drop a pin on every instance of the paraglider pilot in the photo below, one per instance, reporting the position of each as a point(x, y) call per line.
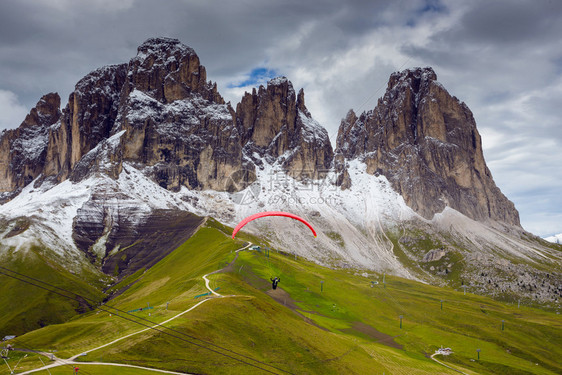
point(274, 282)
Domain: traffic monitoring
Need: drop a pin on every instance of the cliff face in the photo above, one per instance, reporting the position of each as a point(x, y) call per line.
point(87, 119)
point(23, 150)
point(426, 143)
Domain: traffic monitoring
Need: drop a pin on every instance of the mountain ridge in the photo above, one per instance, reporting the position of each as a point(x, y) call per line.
point(204, 151)
point(153, 135)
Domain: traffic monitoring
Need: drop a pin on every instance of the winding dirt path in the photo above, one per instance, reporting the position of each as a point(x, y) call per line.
point(449, 367)
point(71, 360)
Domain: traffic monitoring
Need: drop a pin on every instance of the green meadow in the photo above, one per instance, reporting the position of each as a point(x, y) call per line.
point(319, 321)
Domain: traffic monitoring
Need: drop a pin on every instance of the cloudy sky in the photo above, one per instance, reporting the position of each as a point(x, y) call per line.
point(503, 58)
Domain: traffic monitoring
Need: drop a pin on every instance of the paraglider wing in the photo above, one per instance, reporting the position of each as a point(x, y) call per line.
point(270, 213)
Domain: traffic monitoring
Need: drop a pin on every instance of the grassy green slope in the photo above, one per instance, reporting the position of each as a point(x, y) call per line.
point(349, 327)
point(24, 307)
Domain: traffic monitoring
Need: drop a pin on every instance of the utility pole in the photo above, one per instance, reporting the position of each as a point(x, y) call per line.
point(503, 321)
point(401, 321)
point(321, 286)
point(441, 305)
point(478, 351)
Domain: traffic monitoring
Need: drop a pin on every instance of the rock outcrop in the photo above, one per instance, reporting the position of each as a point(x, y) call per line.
point(87, 119)
point(23, 150)
point(276, 125)
point(426, 143)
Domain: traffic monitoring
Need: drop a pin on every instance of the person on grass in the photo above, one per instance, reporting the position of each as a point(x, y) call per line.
point(274, 282)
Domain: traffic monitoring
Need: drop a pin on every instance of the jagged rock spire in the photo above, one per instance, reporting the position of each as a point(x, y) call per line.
point(426, 143)
point(276, 125)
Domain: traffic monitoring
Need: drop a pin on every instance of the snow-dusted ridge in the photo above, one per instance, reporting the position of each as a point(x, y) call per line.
point(336, 213)
point(353, 225)
point(348, 224)
point(51, 210)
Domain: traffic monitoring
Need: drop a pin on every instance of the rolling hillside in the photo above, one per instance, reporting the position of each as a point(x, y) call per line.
point(319, 321)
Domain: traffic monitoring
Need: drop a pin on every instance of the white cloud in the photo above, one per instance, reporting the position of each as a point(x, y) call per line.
point(12, 113)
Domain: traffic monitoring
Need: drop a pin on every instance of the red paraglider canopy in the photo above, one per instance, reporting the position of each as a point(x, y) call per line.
point(270, 213)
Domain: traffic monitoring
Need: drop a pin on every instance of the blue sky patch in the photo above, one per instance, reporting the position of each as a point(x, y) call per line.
point(255, 77)
point(429, 6)
point(433, 6)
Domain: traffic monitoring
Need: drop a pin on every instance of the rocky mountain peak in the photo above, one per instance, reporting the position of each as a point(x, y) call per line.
point(176, 123)
point(426, 143)
point(45, 113)
point(414, 77)
point(300, 103)
point(262, 115)
point(276, 125)
point(160, 47)
point(168, 70)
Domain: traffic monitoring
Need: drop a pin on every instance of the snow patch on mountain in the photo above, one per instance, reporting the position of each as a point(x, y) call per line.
point(51, 210)
point(312, 130)
point(349, 226)
point(89, 85)
point(143, 107)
